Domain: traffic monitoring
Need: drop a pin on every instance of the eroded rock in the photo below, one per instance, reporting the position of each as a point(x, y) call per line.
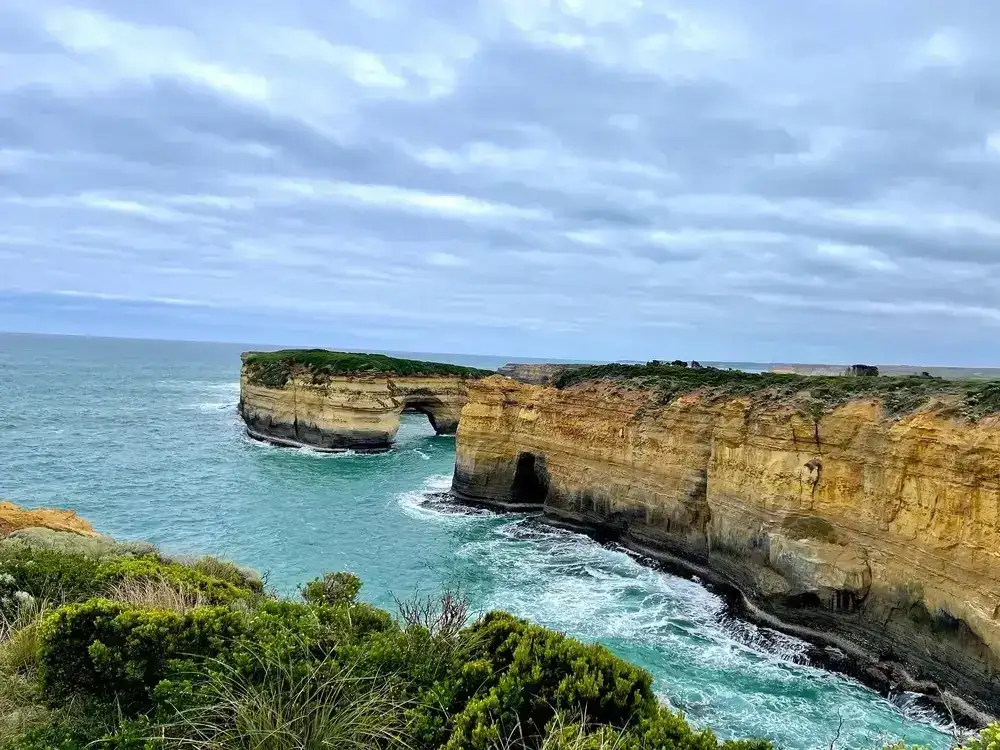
point(881, 532)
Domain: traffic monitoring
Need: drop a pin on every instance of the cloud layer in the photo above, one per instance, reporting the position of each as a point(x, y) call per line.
point(566, 178)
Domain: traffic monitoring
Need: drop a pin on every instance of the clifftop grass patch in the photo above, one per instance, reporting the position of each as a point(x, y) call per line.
point(817, 394)
point(275, 369)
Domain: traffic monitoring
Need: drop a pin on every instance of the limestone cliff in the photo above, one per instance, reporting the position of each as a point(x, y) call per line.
point(333, 401)
point(536, 373)
point(879, 531)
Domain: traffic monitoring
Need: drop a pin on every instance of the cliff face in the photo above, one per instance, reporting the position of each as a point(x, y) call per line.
point(538, 374)
point(359, 412)
point(884, 533)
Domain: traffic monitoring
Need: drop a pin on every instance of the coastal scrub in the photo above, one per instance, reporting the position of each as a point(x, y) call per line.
point(971, 399)
point(275, 369)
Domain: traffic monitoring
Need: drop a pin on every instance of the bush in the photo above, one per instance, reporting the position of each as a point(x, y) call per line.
point(331, 672)
point(815, 394)
point(988, 739)
point(274, 369)
point(215, 590)
point(111, 652)
point(45, 575)
point(530, 673)
point(224, 570)
point(333, 589)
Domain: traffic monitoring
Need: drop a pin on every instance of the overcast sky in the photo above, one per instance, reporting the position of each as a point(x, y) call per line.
point(719, 179)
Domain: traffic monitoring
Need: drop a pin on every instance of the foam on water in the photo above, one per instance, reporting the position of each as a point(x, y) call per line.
point(718, 670)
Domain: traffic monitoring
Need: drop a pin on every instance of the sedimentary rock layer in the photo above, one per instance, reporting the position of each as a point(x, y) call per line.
point(881, 534)
point(538, 374)
point(359, 412)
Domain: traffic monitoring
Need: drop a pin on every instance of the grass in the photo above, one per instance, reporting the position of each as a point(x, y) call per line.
point(293, 704)
point(275, 369)
point(20, 708)
point(156, 593)
point(562, 734)
point(900, 395)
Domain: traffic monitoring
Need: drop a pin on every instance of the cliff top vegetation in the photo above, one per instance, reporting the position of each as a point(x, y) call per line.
point(900, 395)
point(275, 369)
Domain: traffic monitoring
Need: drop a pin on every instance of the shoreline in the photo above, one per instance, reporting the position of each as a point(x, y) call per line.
point(884, 677)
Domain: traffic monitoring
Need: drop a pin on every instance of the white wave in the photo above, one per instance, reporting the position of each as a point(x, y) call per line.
point(215, 405)
point(432, 502)
point(305, 450)
point(214, 396)
point(422, 454)
point(716, 669)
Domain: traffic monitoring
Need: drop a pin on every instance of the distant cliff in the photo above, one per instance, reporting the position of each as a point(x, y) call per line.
point(338, 401)
point(864, 511)
point(538, 374)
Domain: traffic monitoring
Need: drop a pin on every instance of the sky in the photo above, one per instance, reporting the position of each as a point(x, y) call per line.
point(583, 179)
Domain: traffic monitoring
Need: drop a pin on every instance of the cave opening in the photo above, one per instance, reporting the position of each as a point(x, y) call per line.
point(531, 480)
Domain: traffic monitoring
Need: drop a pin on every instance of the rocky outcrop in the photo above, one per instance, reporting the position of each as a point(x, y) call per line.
point(14, 518)
point(880, 535)
point(334, 401)
point(538, 374)
point(861, 371)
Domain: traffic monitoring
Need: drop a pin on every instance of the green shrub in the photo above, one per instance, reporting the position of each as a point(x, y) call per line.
point(45, 574)
point(267, 673)
point(274, 369)
point(333, 589)
point(216, 590)
point(72, 543)
point(224, 570)
point(528, 674)
point(814, 394)
point(89, 725)
point(988, 739)
point(106, 650)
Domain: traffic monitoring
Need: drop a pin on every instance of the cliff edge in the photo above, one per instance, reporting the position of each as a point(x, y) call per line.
point(14, 518)
point(334, 401)
point(860, 511)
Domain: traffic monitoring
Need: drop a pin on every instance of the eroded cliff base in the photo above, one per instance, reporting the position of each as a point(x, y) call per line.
point(887, 642)
point(875, 533)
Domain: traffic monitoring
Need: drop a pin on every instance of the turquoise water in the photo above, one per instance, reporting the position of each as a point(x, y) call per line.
point(142, 438)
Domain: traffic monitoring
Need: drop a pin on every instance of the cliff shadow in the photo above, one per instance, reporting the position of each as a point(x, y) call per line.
point(531, 480)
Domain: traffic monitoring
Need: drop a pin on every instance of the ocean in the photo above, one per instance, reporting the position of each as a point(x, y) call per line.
point(142, 439)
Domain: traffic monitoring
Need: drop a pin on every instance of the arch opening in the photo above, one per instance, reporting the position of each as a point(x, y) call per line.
point(440, 414)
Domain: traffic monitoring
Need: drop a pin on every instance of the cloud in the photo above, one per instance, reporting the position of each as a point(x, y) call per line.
point(565, 178)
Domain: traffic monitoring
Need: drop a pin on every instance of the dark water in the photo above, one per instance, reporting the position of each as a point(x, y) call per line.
point(142, 438)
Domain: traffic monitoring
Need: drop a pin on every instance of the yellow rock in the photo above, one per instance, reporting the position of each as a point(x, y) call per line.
point(884, 532)
point(339, 412)
point(14, 518)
